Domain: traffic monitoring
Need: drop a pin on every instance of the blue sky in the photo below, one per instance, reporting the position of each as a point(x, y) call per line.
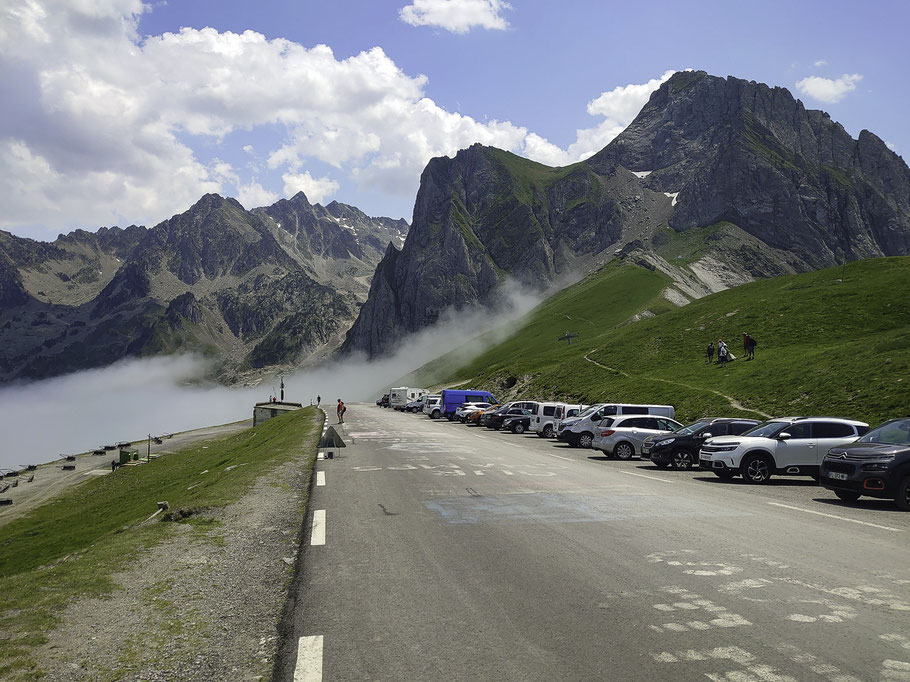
point(127, 112)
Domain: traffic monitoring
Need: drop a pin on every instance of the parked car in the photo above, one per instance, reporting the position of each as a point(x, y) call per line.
point(517, 423)
point(621, 436)
point(545, 415)
point(451, 399)
point(383, 401)
point(416, 405)
point(793, 446)
point(877, 465)
point(495, 419)
point(579, 431)
point(680, 448)
point(461, 414)
point(433, 406)
point(475, 418)
point(399, 397)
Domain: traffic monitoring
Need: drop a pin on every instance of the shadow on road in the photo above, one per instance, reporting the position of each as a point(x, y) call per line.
point(869, 503)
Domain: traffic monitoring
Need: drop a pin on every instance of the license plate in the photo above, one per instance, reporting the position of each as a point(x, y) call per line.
point(837, 476)
point(645, 449)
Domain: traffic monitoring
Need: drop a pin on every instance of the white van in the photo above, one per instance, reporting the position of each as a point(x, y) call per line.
point(544, 418)
point(579, 431)
point(433, 406)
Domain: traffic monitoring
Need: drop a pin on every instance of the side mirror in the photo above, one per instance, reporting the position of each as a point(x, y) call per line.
point(783, 436)
point(706, 435)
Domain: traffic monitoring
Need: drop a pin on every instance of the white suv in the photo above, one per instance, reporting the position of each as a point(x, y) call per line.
point(794, 446)
point(433, 406)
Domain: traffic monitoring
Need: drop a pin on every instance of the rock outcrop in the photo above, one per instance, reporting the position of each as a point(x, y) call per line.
point(716, 181)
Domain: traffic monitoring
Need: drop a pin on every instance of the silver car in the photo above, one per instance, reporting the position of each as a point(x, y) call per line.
point(622, 436)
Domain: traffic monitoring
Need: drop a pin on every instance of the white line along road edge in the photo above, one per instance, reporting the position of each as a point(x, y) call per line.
point(653, 478)
point(309, 659)
point(320, 478)
point(834, 516)
point(318, 536)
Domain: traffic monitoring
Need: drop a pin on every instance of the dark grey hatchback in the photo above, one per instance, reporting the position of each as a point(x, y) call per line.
point(877, 465)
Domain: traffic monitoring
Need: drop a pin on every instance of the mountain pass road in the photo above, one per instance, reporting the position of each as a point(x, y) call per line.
point(436, 551)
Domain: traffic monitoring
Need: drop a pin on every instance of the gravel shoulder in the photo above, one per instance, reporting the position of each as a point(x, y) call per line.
point(202, 605)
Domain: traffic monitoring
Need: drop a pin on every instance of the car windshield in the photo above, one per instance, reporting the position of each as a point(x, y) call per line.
point(895, 432)
point(766, 430)
point(690, 429)
point(590, 410)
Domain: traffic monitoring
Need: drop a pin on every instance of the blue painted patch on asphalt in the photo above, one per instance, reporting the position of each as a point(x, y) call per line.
point(554, 507)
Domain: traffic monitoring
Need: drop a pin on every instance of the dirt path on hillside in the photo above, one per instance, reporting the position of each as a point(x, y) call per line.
point(51, 479)
point(730, 399)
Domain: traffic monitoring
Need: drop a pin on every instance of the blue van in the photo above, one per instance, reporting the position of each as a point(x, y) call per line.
point(452, 400)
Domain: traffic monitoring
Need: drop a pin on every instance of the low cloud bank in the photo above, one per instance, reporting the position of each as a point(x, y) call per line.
point(131, 399)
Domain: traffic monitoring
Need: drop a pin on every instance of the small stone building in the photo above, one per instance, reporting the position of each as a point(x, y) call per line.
point(265, 411)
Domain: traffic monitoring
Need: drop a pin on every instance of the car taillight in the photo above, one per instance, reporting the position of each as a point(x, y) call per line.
point(608, 432)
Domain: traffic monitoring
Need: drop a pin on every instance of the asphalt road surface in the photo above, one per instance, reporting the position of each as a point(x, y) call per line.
point(446, 552)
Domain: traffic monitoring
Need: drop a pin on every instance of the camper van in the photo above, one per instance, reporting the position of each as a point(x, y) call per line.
point(545, 415)
point(401, 396)
point(579, 431)
point(452, 400)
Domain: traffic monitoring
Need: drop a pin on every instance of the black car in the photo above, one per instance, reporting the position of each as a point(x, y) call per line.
point(877, 465)
point(383, 401)
point(517, 423)
point(680, 448)
point(495, 419)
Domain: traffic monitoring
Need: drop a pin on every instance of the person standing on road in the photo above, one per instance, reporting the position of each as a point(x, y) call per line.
point(709, 354)
point(318, 400)
point(340, 409)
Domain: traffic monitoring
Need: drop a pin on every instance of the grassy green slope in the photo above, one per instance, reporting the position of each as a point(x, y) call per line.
point(69, 547)
point(824, 346)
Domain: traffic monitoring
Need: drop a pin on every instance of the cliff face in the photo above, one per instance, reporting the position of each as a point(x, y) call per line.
point(252, 289)
point(716, 182)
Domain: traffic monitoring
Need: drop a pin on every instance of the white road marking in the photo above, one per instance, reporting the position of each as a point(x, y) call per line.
point(653, 478)
point(309, 659)
point(320, 478)
point(834, 516)
point(318, 536)
point(568, 459)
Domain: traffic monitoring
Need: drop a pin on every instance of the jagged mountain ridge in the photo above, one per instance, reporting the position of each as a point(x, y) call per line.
point(716, 182)
point(255, 290)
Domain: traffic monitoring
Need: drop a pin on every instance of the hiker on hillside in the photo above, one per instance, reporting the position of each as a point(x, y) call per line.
point(722, 353)
point(749, 346)
point(709, 354)
point(341, 410)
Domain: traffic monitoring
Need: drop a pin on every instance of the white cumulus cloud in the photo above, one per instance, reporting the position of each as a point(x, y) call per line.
point(828, 90)
point(317, 190)
point(457, 16)
point(819, 63)
point(252, 194)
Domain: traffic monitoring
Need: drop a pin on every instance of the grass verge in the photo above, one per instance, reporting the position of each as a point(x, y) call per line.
point(70, 547)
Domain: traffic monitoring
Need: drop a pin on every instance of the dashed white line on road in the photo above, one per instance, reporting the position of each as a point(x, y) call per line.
point(309, 659)
point(653, 478)
point(835, 516)
point(568, 459)
point(318, 535)
point(320, 478)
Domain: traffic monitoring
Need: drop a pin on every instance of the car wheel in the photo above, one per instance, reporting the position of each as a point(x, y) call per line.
point(519, 429)
point(683, 460)
point(847, 495)
point(547, 432)
point(757, 469)
point(661, 465)
point(623, 451)
point(585, 440)
point(723, 474)
point(434, 414)
point(902, 499)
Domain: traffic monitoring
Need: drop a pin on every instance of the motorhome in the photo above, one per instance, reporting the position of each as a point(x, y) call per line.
point(401, 396)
